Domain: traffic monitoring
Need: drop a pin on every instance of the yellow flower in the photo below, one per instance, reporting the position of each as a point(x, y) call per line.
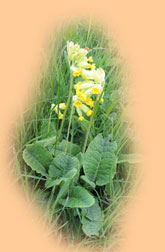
point(84, 77)
point(81, 118)
point(89, 112)
point(102, 100)
point(95, 90)
point(77, 103)
point(91, 66)
point(77, 71)
point(90, 59)
point(81, 95)
point(76, 74)
point(62, 106)
point(76, 55)
point(77, 85)
point(97, 75)
point(60, 116)
point(57, 108)
point(90, 102)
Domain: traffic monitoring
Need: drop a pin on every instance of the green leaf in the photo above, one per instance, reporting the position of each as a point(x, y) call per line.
point(99, 161)
point(94, 212)
point(92, 219)
point(68, 176)
point(62, 192)
point(62, 168)
point(92, 227)
point(86, 180)
point(80, 157)
point(79, 197)
point(72, 148)
point(61, 164)
point(47, 141)
point(37, 157)
point(131, 158)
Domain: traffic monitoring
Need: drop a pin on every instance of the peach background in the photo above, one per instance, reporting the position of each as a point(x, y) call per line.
point(138, 27)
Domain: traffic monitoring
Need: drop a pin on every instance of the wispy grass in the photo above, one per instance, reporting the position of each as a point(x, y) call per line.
point(53, 87)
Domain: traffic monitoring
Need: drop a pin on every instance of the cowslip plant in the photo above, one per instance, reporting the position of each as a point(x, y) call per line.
point(76, 151)
point(72, 177)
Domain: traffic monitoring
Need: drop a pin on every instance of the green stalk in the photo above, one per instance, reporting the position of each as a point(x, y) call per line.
point(67, 105)
point(89, 126)
point(70, 120)
point(49, 122)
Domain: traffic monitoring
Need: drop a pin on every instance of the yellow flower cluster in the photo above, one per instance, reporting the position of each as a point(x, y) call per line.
point(92, 82)
point(88, 88)
point(58, 108)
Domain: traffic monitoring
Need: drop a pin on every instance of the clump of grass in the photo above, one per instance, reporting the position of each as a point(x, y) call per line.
point(38, 124)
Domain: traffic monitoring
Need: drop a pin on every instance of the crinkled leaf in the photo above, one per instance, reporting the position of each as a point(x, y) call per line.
point(61, 164)
point(62, 192)
point(50, 148)
point(94, 212)
point(37, 157)
point(92, 227)
point(80, 157)
point(99, 161)
point(86, 180)
point(68, 176)
point(72, 148)
point(79, 197)
point(47, 141)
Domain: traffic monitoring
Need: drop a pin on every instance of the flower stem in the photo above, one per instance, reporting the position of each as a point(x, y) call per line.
point(89, 127)
point(70, 120)
point(67, 105)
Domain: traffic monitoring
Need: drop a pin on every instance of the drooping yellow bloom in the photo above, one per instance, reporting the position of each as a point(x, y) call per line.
point(57, 108)
point(78, 72)
point(81, 95)
point(77, 103)
point(91, 66)
point(60, 116)
point(80, 107)
point(95, 90)
point(94, 74)
point(89, 88)
point(90, 59)
point(89, 112)
point(77, 85)
point(75, 53)
point(81, 118)
point(84, 77)
point(89, 102)
point(62, 106)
